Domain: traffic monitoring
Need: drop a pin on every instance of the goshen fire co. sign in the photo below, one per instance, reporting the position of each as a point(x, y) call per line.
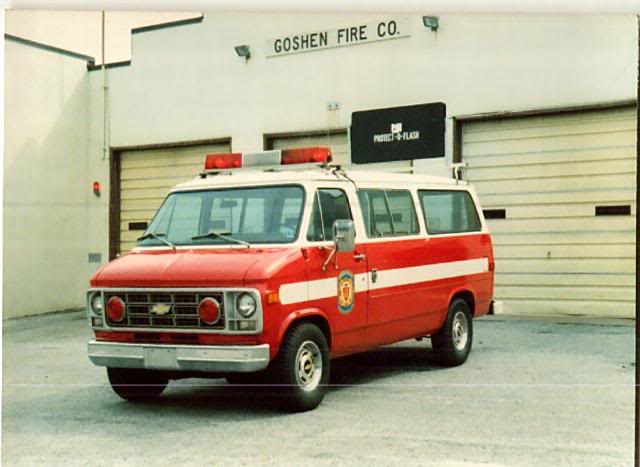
point(398, 133)
point(355, 34)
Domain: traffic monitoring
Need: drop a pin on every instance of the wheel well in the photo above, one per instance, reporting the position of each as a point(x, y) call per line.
point(467, 297)
point(318, 321)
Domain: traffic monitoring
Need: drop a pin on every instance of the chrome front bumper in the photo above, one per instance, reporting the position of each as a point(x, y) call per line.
point(206, 358)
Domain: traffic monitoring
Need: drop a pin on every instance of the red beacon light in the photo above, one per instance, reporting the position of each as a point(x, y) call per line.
point(266, 159)
point(223, 161)
point(315, 155)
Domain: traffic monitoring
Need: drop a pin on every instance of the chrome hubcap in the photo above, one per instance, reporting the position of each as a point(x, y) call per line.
point(460, 330)
point(308, 366)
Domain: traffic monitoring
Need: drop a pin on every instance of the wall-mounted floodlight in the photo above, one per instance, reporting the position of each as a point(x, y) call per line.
point(430, 22)
point(243, 51)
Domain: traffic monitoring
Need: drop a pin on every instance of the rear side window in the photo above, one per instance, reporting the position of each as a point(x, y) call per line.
point(449, 212)
point(328, 205)
point(388, 213)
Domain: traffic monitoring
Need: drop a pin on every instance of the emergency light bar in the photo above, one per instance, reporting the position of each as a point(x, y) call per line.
point(236, 160)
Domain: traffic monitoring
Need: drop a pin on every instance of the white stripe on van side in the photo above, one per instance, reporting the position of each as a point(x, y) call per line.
point(297, 292)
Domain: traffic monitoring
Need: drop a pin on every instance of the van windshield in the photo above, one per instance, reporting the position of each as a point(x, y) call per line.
point(229, 216)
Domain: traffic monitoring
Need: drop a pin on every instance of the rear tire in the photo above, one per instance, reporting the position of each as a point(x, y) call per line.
point(452, 343)
point(301, 369)
point(135, 384)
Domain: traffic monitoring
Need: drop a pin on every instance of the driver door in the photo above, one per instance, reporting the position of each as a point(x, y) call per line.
point(338, 282)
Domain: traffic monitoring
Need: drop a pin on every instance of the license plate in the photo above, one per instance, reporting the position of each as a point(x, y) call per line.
point(160, 358)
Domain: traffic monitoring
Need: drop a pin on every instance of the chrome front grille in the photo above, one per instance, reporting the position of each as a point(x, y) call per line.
point(183, 312)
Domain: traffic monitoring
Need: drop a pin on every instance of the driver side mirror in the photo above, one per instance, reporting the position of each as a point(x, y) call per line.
point(344, 235)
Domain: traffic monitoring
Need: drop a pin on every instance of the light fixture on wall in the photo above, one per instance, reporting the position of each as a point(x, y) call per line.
point(243, 51)
point(431, 22)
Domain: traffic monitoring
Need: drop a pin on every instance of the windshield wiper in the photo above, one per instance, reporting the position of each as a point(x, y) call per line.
point(157, 236)
point(222, 236)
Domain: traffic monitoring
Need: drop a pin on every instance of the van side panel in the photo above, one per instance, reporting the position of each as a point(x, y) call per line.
point(430, 271)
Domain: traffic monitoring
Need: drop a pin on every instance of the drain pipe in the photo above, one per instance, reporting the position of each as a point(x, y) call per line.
point(104, 95)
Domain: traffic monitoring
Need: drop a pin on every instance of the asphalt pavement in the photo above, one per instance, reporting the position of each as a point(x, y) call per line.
point(533, 392)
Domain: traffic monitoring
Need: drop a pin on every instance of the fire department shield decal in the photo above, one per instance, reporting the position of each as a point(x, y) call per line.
point(346, 292)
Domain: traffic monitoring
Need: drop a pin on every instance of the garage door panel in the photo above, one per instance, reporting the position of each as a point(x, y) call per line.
point(143, 193)
point(572, 155)
point(164, 157)
point(571, 224)
point(184, 171)
point(568, 197)
point(625, 250)
point(137, 215)
point(549, 144)
point(546, 128)
point(578, 280)
point(555, 184)
point(557, 211)
point(139, 205)
point(544, 307)
point(533, 171)
point(155, 182)
point(162, 160)
point(609, 294)
point(130, 236)
point(551, 238)
point(575, 265)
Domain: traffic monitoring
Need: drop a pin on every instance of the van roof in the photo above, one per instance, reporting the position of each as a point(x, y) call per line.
point(262, 177)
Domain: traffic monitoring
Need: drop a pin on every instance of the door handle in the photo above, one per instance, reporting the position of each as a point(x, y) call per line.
point(359, 256)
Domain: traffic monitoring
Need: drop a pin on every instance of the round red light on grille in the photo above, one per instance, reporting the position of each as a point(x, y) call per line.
point(209, 310)
point(115, 309)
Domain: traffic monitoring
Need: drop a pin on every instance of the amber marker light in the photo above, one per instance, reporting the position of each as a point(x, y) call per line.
point(273, 298)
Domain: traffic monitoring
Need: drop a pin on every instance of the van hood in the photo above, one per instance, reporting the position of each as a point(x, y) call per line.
point(185, 268)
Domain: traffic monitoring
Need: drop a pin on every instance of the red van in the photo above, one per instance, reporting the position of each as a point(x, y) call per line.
point(265, 274)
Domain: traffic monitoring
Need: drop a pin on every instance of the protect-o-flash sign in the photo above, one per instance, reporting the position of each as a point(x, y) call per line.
point(398, 133)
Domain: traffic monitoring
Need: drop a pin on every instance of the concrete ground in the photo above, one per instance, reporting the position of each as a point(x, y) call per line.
point(531, 393)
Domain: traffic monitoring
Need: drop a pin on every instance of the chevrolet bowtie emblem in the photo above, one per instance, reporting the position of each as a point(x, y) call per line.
point(160, 308)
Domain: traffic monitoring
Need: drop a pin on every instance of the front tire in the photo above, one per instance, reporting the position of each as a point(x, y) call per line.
point(301, 369)
point(452, 343)
point(136, 385)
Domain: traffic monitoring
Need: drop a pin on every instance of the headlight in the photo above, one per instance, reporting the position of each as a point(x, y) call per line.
point(246, 305)
point(96, 304)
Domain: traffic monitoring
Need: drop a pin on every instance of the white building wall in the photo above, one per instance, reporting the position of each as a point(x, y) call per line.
point(47, 189)
point(188, 83)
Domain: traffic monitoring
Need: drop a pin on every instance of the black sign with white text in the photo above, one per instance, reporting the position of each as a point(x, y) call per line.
point(398, 133)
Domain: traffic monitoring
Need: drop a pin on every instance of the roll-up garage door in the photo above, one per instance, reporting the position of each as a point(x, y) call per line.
point(147, 175)
point(559, 194)
point(339, 144)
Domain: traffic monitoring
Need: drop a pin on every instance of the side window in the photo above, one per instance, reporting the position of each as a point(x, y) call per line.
point(329, 204)
point(388, 213)
point(449, 212)
point(403, 212)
